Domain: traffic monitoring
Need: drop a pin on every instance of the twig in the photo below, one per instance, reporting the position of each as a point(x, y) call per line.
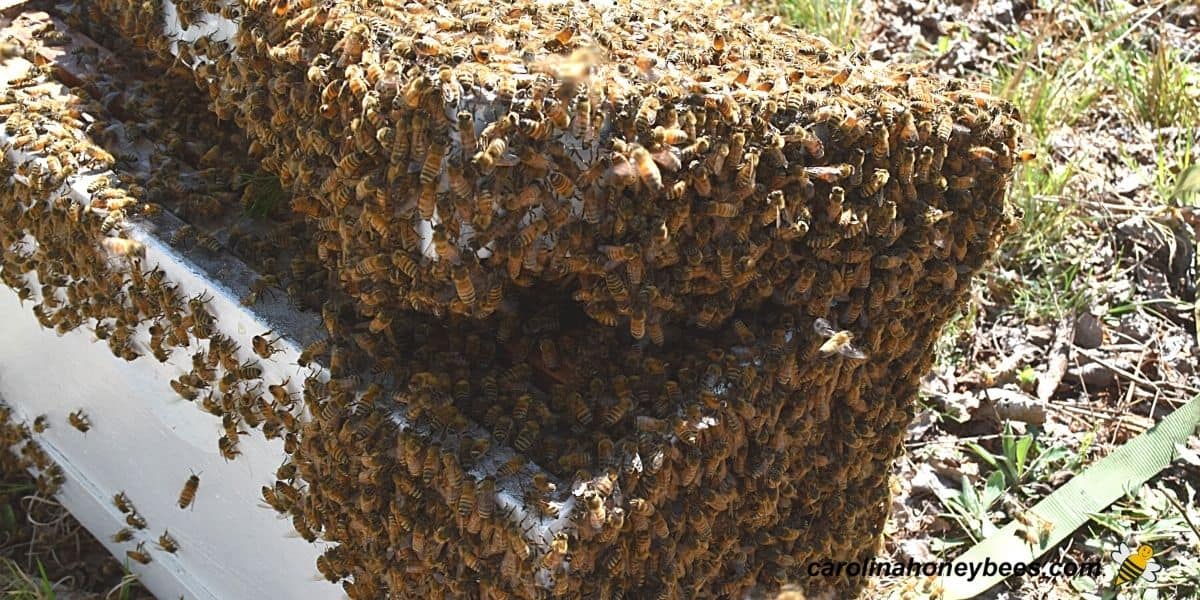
point(1056, 366)
point(1139, 379)
point(1183, 512)
point(952, 440)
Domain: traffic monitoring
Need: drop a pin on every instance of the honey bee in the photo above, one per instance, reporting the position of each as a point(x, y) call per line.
point(431, 168)
point(725, 210)
point(124, 535)
point(838, 341)
point(879, 178)
point(135, 520)
point(167, 543)
point(559, 547)
point(123, 247)
point(673, 137)
point(830, 174)
point(511, 466)
point(487, 158)
point(945, 126)
point(594, 509)
point(79, 421)
point(647, 170)
point(188, 494)
point(121, 501)
point(139, 554)
point(264, 347)
point(908, 129)
point(485, 498)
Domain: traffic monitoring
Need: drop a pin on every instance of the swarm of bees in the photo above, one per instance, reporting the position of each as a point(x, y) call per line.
point(689, 263)
point(449, 156)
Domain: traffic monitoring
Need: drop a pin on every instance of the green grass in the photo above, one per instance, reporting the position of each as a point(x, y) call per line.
point(17, 584)
point(262, 194)
point(839, 21)
point(1056, 70)
point(1161, 88)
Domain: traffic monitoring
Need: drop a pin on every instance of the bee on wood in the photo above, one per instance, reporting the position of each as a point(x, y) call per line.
point(263, 346)
point(79, 421)
point(167, 543)
point(188, 494)
point(135, 520)
point(139, 554)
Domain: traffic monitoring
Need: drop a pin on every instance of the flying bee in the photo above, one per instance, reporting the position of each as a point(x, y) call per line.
point(79, 421)
point(188, 494)
point(838, 341)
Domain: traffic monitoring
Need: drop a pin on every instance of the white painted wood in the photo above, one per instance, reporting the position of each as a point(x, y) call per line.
point(146, 440)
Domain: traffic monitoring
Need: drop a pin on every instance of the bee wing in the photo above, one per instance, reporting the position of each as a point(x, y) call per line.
point(851, 352)
point(1152, 567)
point(822, 327)
point(1121, 553)
point(622, 169)
point(668, 158)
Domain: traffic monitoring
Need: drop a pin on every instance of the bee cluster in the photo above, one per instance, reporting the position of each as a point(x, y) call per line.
point(24, 453)
point(690, 263)
point(660, 166)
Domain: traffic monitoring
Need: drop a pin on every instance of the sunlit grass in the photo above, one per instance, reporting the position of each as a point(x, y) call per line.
point(839, 21)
